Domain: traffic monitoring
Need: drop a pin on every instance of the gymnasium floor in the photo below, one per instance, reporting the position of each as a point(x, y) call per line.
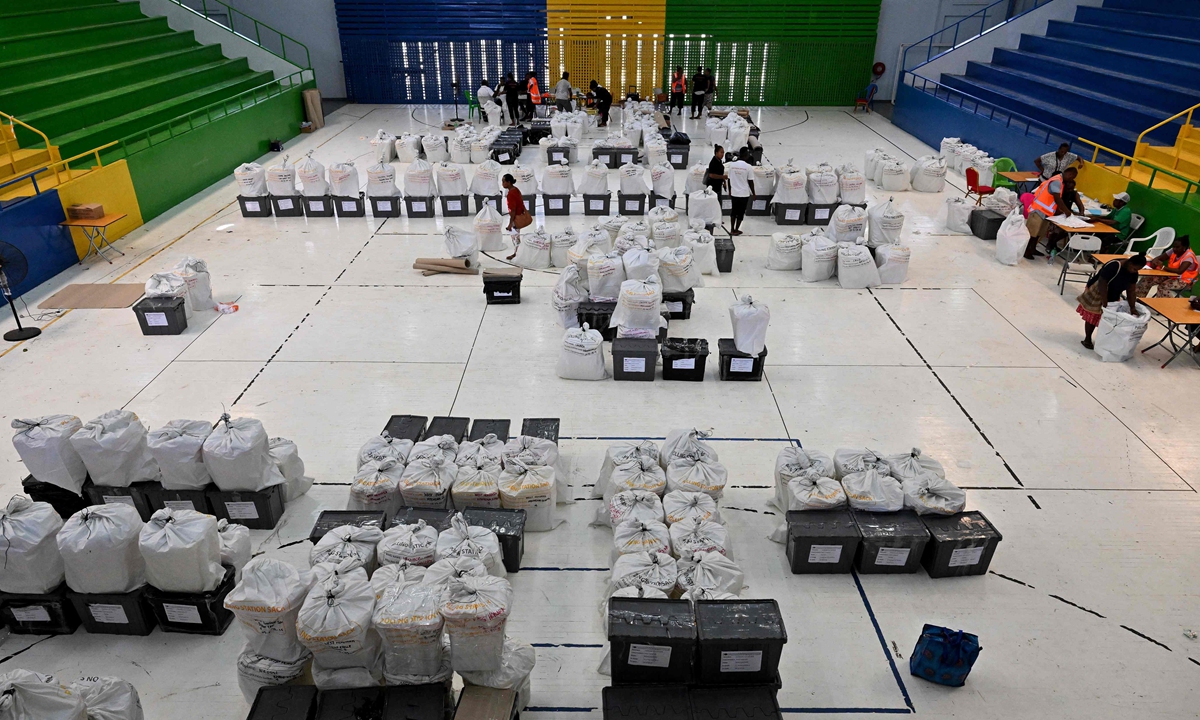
point(1088, 469)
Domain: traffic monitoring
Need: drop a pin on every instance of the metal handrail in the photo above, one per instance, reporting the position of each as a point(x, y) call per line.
point(11, 146)
point(1174, 117)
point(27, 176)
point(993, 112)
point(232, 13)
point(1155, 171)
point(959, 26)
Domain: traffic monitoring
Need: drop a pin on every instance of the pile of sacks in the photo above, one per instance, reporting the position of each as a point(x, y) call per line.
point(820, 184)
point(960, 156)
point(568, 125)
point(860, 247)
point(28, 695)
point(887, 172)
point(117, 450)
point(472, 144)
point(639, 122)
point(438, 472)
point(731, 132)
point(190, 280)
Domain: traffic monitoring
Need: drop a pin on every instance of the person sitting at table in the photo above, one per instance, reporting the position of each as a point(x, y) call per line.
point(1121, 218)
point(1047, 203)
point(1053, 163)
point(1179, 260)
point(1105, 286)
point(1056, 236)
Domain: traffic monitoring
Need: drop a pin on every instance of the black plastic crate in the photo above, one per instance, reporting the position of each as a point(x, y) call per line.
point(740, 641)
point(350, 206)
point(455, 206)
point(494, 200)
point(287, 205)
point(647, 702)
point(821, 541)
point(419, 207)
point(415, 702)
point(406, 427)
point(193, 613)
point(530, 203)
point(961, 544)
point(321, 206)
point(503, 290)
point(606, 155)
point(684, 359)
point(759, 205)
point(436, 518)
point(985, 224)
point(791, 214)
point(678, 156)
point(64, 502)
point(456, 427)
point(737, 365)
point(39, 614)
point(662, 201)
point(256, 510)
point(255, 206)
point(284, 702)
point(544, 428)
point(631, 204)
point(634, 358)
point(892, 542)
point(755, 702)
point(597, 315)
point(597, 204)
point(509, 526)
point(679, 304)
point(505, 154)
point(725, 249)
point(653, 641)
point(726, 205)
point(114, 614)
point(558, 155)
point(161, 315)
point(365, 703)
point(556, 204)
point(158, 497)
point(624, 156)
point(330, 519)
point(389, 206)
point(499, 428)
point(820, 214)
point(133, 496)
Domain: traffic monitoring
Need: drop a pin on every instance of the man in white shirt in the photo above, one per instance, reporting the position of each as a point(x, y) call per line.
point(484, 96)
point(741, 187)
point(1053, 163)
point(562, 94)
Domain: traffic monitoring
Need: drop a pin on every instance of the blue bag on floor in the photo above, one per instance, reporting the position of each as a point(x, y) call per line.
point(944, 656)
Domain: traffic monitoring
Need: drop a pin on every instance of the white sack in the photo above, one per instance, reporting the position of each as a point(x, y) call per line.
point(1012, 238)
point(418, 180)
point(530, 488)
point(893, 176)
point(286, 457)
point(640, 263)
point(847, 224)
point(569, 291)
point(678, 270)
point(852, 186)
point(884, 223)
point(312, 177)
point(560, 246)
point(665, 234)
point(266, 601)
point(646, 569)
point(784, 252)
point(199, 283)
point(412, 544)
point(582, 356)
point(113, 448)
point(634, 536)
point(792, 188)
point(476, 610)
point(686, 443)
point(750, 321)
point(605, 274)
point(251, 179)
point(384, 144)
point(451, 179)
point(793, 461)
point(823, 186)
point(929, 494)
point(182, 551)
point(632, 506)
point(235, 545)
point(928, 174)
point(704, 251)
point(489, 229)
point(526, 180)
point(696, 535)
point(256, 671)
point(662, 180)
point(856, 267)
point(534, 250)
point(109, 698)
point(334, 623)
point(381, 181)
point(705, 205)
point(461, 245)
point(516, 665)
point(384, 447)
point(408, 148)
point(619, 454)
point(376, 486)
point(407, 619)
point(478, 483)
point(632, 180)
point(426, 482)
point(893, 261)
point(682, 505)
point(1118, 334)
point(595, 179)
point(873, 490)
point(343, 179)
point(958, 215)
point(819, 258)
point(26, 695)
point(711, 572)
point(44, 444)
point(348, 542)
point(697, 474)
point(463, 540)
point(281, 179)
point(695, 178)
point(435, 148)
point(557, 180)
point(442, 572)
point(764, 179)
point(639, 303)
point(238, 456)
point(99, 548)
point(487, 179)
point(909, 465)
point(852, 460)
point(29, 560)
point(177, 448)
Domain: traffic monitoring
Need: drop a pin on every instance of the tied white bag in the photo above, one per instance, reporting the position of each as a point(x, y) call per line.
point(281, 179)
point(255, 671)
point(335, 623)
point(350, 543)
point(312, 177)
point(856, 267)
point(376, 486)
point(1012, 238)
point(619, 454)
point(819, 258)
point(792, 462)
point(662, 180)
point(463, 540)
point(689, 443)
point(710, 572)
point(633, 180)
point(847, 224)
point(462, 245)
point(387, 575)
point(678, 270)
point(487, 179)
point(894, 176)
point(792, 188)
point(557, 180)
point(530, 488)
point(823, 186)
point(408, 621)
point(634, 536)
point(662, 214)
point(696, 535)
point(451, 180)
point(893, 261)
point(235, 545)
point(1119, 333)
point(560, 246)
point(435, 148)
point(182, 551)
point(410, 544)
point(286, 457)
point(251, 179)
point(569, 291)
point(681, 505)
point(810, 490)
point(613, 225)
point(750, 321)
point(489, 229)
point(408, 148)
point(166, 285)
point(99, 548)
point(873, 490)
point(478, 483)
point(639, 472)
point(534, 250)
point(665, 234)
point(581, 357)
point(476, 610)
point(630, 506)
point(29, 559)
point(697, 594)
point(113, 448)
point(199, 283)
point(593, 242)
point(238, 456)
point(266, 602)
point(384, 447)
point(884, 223)
point(695, 178)
point(343, 179)
point(909, 465)
point(488, 447)
point(764, 179)
point(928, 174)
point(605, 275)
point(705, 205)
point(852, 185)
point(526, 180)
point(928, 494)
point(645, 569)
point(852, 460)
point(26, 695)
point(697, 473)
point(639, 302)
point(1002, 201)
point(381, 181)
point(384, 144)
point(460, 150)
point(442, 572)
point(427, 481)
point(516, 665)
point(784, 252)
point(44, 444)
point(109, 698)
point(958, 215)
point(704, 251)
point(444, 445)
point(418, 180)
point(871, 163)
point(595, 179)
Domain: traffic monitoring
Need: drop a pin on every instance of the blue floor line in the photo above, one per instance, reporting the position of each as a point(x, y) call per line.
point(883, 643)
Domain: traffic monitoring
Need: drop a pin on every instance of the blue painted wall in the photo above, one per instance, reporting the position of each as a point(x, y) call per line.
point(32, 226)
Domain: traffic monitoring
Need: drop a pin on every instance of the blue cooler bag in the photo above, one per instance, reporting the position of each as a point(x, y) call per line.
point(944, 656)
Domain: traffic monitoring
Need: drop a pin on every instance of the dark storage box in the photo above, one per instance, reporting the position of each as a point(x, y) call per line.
point(739, 365)
point(678, 155)
point(455, 206)
point(985, 224)
point(661, 201)
point(892, 542)
point(653, 641)
point(321, 206)
point(114, 614)
point(256, 510)
point(330, 519)
point(158, 497)
point(415, 702)
point(494, 200)
point(821, 541)
point(64, 502)
point(631, 204)
point(161, 315)
point(725, 249)
point(558, 155)
point(759, 205)
point(755, 702)
point(597, 315)
point(134, 496)
point(634, 358)
point(456, 427)
point(530, 203)
point(597, 204)
point(505, 154)
point(679, 305)
point(509, 526)
point(961, 544)
point(285, 702)
point(390, 206)
point(607, 156)
point(683, 359)
point(556, 204)
point(255, 206)
point(544, 428)
point(791, 214)
point(502, 289)
point(499, 428)
point(436, 518)
point(406, 427)
point(288, 206)
point(353, 704)
point(820, 214)
point(350, 206)
point(419, 207)
point(195, 613)
point(647, 702)
point(740, 641)
point(726, 205)
point(44, 614)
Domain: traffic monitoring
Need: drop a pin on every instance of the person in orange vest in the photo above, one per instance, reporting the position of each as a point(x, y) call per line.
point(1181, 261)
point(678, 90)
point(533, 95)
point(1047, 202)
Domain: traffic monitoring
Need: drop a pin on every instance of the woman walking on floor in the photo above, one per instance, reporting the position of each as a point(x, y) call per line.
point(518, 214)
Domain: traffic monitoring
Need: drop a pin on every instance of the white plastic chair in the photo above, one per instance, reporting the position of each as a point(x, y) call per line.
point(1135, 222)
point(1074, 264)
point(1162, 240)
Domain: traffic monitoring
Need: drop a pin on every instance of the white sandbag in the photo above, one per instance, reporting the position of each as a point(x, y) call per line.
point(109, 698)
point(958, 215)
point(530, 488)
point(487, 179)
point(718, 134)
point(251, 179)
point(435, 148)
point(884, 223)
point(408, 148)
point(856, 268)
point(985, 166)
point(312, 177)
point(634, 536)
point(99, 548)
point(823, 186)
point(238, 456)
point(582, 357)
point(384, 145)
point(560, 245)
point(894, 176)
point(792, 187)
point(516, 665)
point(704, 251)
point(948, 144)
point(619, 454)
point(476, 611)
point(281, 179)
point(632, 180)
point(764, 177)
point(343, 179)
point(592, 242)
point(683, 505)
point(697, 474)
point(665, 234)
point(442, 572)
point(418, 180)
point(384, 447)
point(463, 540)
point(334, 623)
point(461, 245)
point(286, 457)
point(489, 229)
point(348, 542)
point(909, 465)
point(871, 163)
point(819, 258)
point(793, 461)
point(852, 186)
point(686, 443)
point(631, 506)
point(44, 444)
point(451, 179)
point(928, 174)
point(31, 563)
point(376, 486)
point(401, 573)
point(639, 302)
point(847, 224)
point(381, 181)
point(569, 291)
point(694, 182)
point(633, 233)
point(595, 179)
point(810, 490)
point(557, 180)
point(678, 270)
point(426, 482)
point(113, 449)
point(235, 545)
point(534, 250)
point(574, 129)
point(256, 671)
point(26, 695)
point(460, 150)
point(412, 544)
point(199, 283)
point(408, 621)
point(893, 261)
point(613, 225)
point(165, 285)
point(477, 484)
point(656, 154)
point(605, 274)
point(662, 214)
point(696, 535)
point(704, 204)
point(1118, 334)
point(662, 180)
point(645, 569)
point(526, 179)
point(182, 551)
point(852, 460)
point(1012, 238)
point(873, 490)
point(711, 572)
point(750, 321)
point(640, 263)
point(928, 494)
point(266, 602)
point(1002, 201)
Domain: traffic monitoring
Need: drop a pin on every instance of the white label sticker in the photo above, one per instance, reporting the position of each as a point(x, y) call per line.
point(182, 613)
point(180, 505)
point(632, 205)
point(596, 204)
point(741, 365)
point(383, 205)
point(557, 156)
point(241, 510)
point(684, 364)
point(676, 159)
point(726, 204)
point(650, 655)
point(418, 206)
point(253, 206)
point(349, 206)
point(502, 294)
point(454, 205)
point(316, 206)
point(791, 214)
point(741, 661)
point(119, 500)
point(633, 364)
point(31, 614)
point(821, 214)
point(966, 556)
point(626, 158)
point(824, 554)
point(605, 158)
point(110, 614)
point(156, 319)
point(895, 557)
point(285, 203)
point(661, 202)
point(556, 203)
point(490, 201)
point(675, 307)
point(503, 157)
point(759, 204)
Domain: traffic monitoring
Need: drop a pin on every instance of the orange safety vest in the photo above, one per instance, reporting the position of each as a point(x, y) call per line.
point(678, 84)
point(1175, 261)
point(535, 95)
point(1043, 200)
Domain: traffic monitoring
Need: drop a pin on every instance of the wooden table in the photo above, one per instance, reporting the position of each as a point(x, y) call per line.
point(1093, 229)
point(94, 230)
point(1144, 272)
point(1020, 178)
point(1181, 321)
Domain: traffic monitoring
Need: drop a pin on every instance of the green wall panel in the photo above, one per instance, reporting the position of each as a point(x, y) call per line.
point(774, 19)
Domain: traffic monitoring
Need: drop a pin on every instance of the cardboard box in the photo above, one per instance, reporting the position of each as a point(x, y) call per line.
point(86, 211)
point(484, 703)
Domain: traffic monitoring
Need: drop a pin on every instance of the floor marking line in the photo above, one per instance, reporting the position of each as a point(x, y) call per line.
point(848, 711)
point(1086, 610)
point(1035, 502)
point(882, 641)
point(567, 569)
point(533, 708)
point(1011, 579)
point(467, 364)
point(1194, 660)
point(617, 438)
point(1147, 637)
point(567, 645)
point(39, 642)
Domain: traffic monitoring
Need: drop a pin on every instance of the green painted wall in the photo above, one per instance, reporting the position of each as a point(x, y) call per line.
point(1161, 210)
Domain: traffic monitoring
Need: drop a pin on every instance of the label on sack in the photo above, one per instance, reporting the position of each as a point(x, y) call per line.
point(634, 364)
point(555, 204)
point(626, 158)
point(596, 204)
point(182, 613)
point(676, 159)
point(109, 614)
point(966, 556)
point(285, 203)
point(119, 500)
point(241, 510)
point(454, 205)
point(349, 206)
point(384, 205)
point(741, 661)
point(895, 557)
point(503, 156)
point(650, 655)
point(742, 365)
point(34, 613)
point(253, 206)
point(156, 319)
point(675, 307)
point(824, 554)
point(795, 214)
point(315, 206)
point(632, 205)
point(821, 214)
point(418, 206)
point(180, 505)
point(684, 364)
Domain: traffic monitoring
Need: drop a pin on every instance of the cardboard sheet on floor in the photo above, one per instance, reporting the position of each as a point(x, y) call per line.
point(87, 296)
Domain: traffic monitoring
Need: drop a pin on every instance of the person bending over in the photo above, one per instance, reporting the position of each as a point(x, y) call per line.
point(1106, 286)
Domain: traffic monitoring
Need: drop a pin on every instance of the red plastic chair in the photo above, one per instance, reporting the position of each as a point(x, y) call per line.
point(974, 188)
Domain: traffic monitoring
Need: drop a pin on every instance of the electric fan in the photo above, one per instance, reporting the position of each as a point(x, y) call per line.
point(13, 269)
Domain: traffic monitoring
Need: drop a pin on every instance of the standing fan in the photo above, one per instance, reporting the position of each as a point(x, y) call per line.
point(13, 269)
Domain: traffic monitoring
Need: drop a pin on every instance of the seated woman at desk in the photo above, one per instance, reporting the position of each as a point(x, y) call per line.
point(1179, 260)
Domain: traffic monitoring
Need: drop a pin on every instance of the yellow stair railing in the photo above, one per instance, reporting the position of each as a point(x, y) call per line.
point(1187, 114)
point(11, 146)
point(1156, 178)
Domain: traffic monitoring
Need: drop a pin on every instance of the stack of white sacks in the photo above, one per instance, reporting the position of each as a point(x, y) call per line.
point(731, 132)
point(960, 155)
point(29, 695)
point(188, 279)
point(864, 480)
point(638, 123)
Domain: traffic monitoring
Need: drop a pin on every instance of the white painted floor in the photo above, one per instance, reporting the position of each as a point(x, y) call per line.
point(1088, 469)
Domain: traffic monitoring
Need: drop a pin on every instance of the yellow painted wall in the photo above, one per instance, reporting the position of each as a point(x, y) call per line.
point(617, 43)
point(110, 186)
point(1100, 183)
